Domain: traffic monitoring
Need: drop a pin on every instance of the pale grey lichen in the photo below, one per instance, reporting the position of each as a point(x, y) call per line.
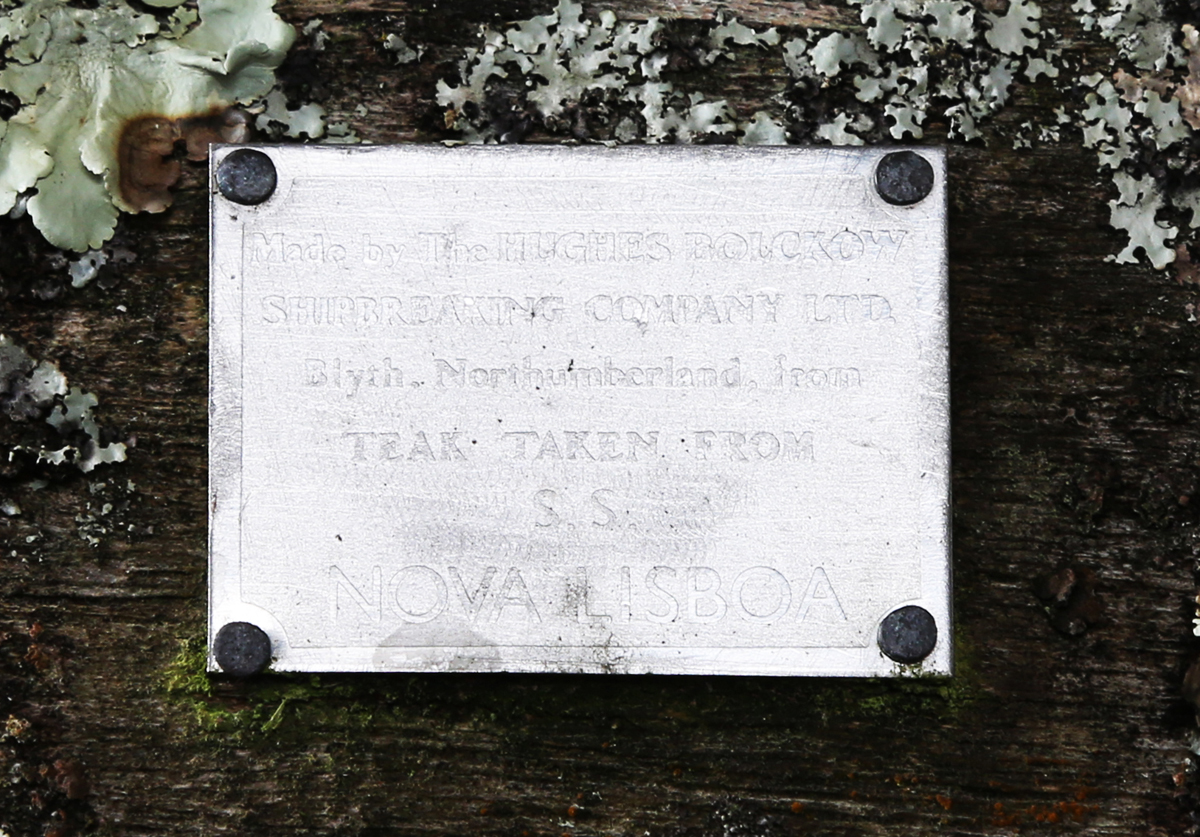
point(837, 133)
point(81, 74)
point(27, 387)
point(1140, 118)
point(1139, 28)
point(1189, 200)
point(912, 61)
point(275, 120)
point(1135, 211)
point(38, 391)
point(764, 129)
point(75, 413)
point(595, 79)
point(85, 268)
point(107, 511)
point(400, 50)
point(604, 79)
point(317, 36)
point(1106, 123)
point(919, 57)
point(1014, 32)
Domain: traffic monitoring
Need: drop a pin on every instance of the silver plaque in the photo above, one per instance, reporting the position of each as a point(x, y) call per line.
point(675, 410)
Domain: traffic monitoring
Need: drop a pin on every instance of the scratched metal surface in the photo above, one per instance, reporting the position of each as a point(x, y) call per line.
point(675, 410)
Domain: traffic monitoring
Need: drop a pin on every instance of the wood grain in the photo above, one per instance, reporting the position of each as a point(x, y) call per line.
point(1075, 444)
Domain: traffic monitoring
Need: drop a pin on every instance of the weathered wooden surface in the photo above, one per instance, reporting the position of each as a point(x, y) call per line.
point(1074, 395)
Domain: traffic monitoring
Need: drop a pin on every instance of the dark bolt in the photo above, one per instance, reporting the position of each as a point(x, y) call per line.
point(903, 178)
point(242, 649)
point(908, 634)
point(246, 176)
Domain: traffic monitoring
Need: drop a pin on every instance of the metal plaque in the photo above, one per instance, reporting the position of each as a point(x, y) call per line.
point(676, 410)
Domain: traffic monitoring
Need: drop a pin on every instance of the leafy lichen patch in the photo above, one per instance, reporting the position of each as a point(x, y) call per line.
point(921, 58)
point(82, 75)
point(38, 391)
point(912, 64)
point(1140, 120)
point(609, 80)
point(277, 120)
point(1135, 211)
point(599, 80)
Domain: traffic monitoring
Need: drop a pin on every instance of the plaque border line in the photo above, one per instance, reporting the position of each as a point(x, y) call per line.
point(932, 588)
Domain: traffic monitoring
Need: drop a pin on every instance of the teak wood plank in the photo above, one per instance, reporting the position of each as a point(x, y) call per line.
point(1074, 445)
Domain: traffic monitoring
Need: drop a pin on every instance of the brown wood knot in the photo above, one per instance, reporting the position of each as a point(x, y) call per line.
point(1191, 684)
point(69, 776)
point(1069, 595)
point(1086, 490)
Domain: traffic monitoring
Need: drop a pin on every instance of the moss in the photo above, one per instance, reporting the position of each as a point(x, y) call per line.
point(293, 711)
point(275, 706)
point(185, 682)
point(914, 695)
point(184, 675)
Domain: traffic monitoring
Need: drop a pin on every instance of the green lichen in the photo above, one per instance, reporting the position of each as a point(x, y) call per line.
point(81, 75)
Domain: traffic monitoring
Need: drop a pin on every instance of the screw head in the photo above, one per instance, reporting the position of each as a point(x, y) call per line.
point(242, 649)
point(908, 634)
point(903, 178)
point(246, 176)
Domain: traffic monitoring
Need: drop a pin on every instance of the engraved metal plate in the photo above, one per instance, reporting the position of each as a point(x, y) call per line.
point(677, 410)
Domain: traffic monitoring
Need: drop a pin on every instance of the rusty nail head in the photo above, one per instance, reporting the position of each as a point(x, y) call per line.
point(903, 178)
point(242, 649)
point(908, 634)
point(246, 176)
